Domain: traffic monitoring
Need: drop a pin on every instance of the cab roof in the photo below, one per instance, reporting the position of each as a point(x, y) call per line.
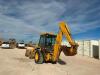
point(48, 34)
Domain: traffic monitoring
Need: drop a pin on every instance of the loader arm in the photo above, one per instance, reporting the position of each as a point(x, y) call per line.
point(64, 30)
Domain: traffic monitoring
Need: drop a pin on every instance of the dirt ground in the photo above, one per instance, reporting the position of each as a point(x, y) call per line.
point(13, 62)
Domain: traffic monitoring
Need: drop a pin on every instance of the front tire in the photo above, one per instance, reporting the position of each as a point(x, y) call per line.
point(39, 57)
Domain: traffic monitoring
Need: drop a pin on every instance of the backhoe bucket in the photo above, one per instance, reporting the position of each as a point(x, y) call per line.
point(69, 51)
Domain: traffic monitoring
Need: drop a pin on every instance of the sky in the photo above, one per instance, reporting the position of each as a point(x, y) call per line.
point(26, 19)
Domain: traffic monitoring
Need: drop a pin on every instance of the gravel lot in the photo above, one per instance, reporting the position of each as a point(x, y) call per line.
point(13, 62)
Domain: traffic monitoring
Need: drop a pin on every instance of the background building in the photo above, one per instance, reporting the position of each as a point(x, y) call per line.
point(90, 48)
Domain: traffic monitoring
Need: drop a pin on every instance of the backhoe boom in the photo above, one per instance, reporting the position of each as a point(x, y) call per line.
point(64, 30)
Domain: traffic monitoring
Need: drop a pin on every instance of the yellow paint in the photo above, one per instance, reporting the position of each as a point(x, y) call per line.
point(36, 56)
point(63, 30)
point(47, 58)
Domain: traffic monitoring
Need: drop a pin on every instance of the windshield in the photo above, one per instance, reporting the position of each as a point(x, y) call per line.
point(50, 41)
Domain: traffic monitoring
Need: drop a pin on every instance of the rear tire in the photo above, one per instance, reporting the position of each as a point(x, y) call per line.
point(54, 62)
point(39, 57)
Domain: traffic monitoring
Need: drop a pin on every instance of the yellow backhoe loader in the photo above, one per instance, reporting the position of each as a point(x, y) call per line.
point(49, 46)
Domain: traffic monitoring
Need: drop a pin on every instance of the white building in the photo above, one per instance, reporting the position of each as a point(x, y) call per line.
point(90, 48)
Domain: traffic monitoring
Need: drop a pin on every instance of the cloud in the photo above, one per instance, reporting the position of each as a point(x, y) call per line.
point(11, 27)
point(33, 16)
point(26, 19)
point(84, 17)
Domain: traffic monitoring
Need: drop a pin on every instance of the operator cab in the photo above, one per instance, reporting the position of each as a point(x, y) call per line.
point(47, 41)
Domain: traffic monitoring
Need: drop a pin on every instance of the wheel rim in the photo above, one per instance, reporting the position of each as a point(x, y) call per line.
point(36, 56)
